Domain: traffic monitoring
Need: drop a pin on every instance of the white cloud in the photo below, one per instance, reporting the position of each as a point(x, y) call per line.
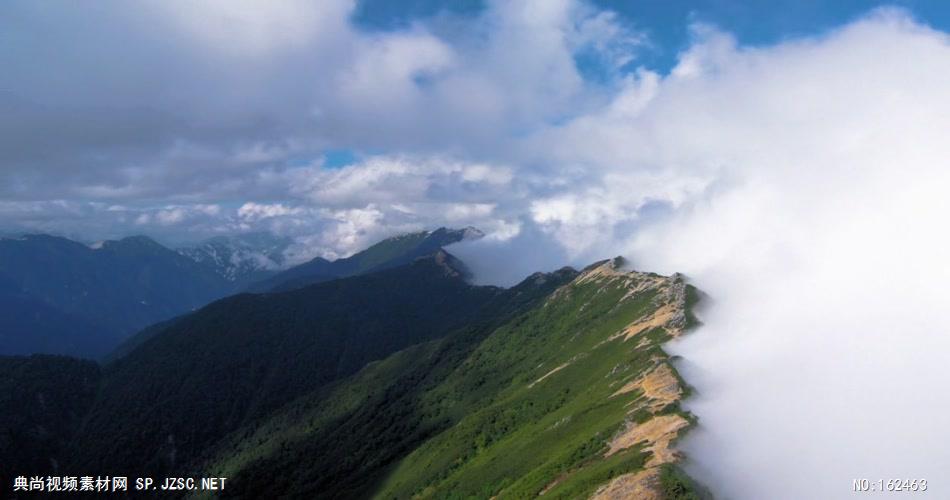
point(802, 185)
point(170, 216)
point(466, 211)
point(402, 180)
point(817, 192)
point(251, 211)
point(343, 233)
point(251, 28)
point(233, 102)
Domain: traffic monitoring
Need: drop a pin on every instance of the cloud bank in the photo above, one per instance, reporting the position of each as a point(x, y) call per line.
point(820, 242)
point(119, 112)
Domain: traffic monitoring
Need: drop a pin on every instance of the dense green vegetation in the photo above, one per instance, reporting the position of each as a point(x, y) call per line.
point(348, 434)
point(43, 399)
point(676, 485)
point(243, 357)
point(402, 383)
point(467, 416)
point(518, 434)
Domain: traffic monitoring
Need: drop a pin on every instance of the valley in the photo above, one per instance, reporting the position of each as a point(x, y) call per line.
point(406, 382)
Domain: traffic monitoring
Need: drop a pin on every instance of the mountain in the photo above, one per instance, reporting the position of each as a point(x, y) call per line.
point(243, 357)
point(402, 383)
point(242, 259)
point(386, 254)
point(60, 296)
point(44, 399)
point(29, 325)
point(572, 397)
point(83, 299)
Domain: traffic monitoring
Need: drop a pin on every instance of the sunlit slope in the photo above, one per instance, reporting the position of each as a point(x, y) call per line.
point(571, 397)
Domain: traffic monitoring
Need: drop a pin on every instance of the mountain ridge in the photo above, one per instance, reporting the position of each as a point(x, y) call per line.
point(244, 258)
point(475, 395)
point(60, 296)
point(272, 347)
point(390, 252)
point(118, 286)
point(404, 382)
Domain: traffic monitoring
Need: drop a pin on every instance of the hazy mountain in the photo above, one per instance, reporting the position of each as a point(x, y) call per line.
point(60, 296)
point(29, 325)
point(242, 259)
point(389, 253)
point(88, 297)
point(406, 382)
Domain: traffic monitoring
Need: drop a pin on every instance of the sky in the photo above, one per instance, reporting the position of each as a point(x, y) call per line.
point(340, 123)
point(789, 157)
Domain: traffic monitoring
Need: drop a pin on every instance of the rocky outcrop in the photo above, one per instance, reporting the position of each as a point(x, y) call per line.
point(658, 388)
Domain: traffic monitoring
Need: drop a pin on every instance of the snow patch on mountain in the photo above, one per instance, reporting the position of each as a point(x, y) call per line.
point(242, 256)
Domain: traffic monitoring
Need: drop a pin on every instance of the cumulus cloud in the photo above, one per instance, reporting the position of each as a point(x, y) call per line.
point(199, 98)
point(251, 211)
point(801, 185)
point(229, 103)
point(818, 241)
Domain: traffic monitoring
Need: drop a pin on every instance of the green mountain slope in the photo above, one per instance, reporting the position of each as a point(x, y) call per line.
point(240, 358)
point(321, 428)
point(403, 383)
point(43, 399)
point(571, 395)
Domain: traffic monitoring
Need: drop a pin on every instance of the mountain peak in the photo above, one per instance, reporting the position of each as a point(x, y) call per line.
point(619, 268)
point(451, 266)
point(671, 290)
point(606, 267)
point(138, 239)
point(466, 233)
point(242, 257)
point(389, 253)
point(539, 278)
point(139, 242)
point(472, 233)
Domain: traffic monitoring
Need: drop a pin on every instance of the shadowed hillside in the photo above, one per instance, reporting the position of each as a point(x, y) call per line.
point(403, 383)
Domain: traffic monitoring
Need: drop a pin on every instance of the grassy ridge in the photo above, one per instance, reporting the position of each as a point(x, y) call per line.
point(507, 409)
point(521, 437)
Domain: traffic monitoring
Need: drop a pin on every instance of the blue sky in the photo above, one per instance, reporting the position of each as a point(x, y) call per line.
point(756, 22)
point(666, 24)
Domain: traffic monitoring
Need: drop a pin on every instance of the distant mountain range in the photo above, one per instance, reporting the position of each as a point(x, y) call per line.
point(386, 254)
point(405, 381)
point(242, 259)
point(59, 296)
point(83, 300)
